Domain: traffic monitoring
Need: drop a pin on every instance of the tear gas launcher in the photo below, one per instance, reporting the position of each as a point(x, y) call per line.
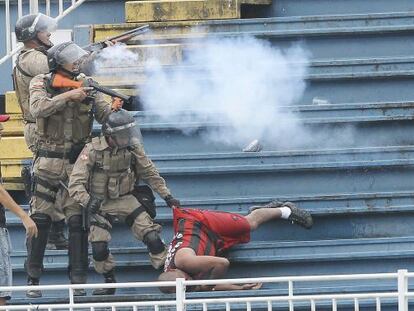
point(123, 37)
point(59, 81)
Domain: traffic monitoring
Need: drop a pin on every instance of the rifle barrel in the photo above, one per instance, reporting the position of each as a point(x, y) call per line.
point(109, 91)
point(101, 44)
point(129, 32)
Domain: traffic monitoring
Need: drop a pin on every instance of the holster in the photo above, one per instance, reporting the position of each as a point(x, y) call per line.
point(27, 181)
point(146, 197)
point(85, 218)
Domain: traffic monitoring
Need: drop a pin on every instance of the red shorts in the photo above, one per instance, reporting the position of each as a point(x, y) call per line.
point(231, 228)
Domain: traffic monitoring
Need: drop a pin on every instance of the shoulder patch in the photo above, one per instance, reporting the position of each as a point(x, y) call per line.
point(84, 156)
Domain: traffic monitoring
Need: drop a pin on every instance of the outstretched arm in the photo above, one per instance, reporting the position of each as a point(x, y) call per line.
point(202, 267)
point(146, 170)
point(208, 267)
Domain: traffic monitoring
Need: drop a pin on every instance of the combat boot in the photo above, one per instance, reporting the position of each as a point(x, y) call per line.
point(57, 239)
point(299, 216)
point(33, 293)
point(109, 278)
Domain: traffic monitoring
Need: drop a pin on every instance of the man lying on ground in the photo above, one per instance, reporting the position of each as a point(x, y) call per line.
point(202, 236)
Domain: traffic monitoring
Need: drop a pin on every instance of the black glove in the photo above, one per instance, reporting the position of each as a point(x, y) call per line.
point(94, 205)
point(171, 202)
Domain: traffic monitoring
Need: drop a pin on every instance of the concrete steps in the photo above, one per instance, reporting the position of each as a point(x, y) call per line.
point(362, 123)
point(264, 252)
point(334, 36)
point(336, 216)
point(352, 193)
point(308, 113)
point(318, 69)
point(361, 197)
point(276, 26)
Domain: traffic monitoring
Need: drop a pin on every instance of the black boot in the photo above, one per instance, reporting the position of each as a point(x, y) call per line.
point(33, 293)
point(57, 239)
point(109, 278)
point(35, 253)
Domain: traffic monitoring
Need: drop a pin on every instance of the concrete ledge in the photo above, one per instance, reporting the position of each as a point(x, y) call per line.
point(12, 105)
point(283, 27)
point(155, 11)
point(14, 148)
point(319, 205)
point(13, 127)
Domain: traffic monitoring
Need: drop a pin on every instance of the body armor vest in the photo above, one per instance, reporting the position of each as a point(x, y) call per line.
point(23, 95)
point(66, 128)
point(112, 175)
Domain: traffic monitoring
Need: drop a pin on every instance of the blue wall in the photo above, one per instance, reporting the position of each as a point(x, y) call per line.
point(90, 12)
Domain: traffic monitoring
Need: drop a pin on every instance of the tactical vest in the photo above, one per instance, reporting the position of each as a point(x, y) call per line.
point(112, 175)
point(24, 103)
point(66, 128)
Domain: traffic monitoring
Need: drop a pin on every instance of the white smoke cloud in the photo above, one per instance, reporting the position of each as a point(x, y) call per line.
point(243, 84)
point(240, 82)
point(117, 55)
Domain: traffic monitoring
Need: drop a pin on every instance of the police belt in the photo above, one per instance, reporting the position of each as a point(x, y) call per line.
point(72, 155)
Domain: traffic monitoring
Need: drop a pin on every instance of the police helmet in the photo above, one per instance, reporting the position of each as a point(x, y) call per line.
point(28, 26)
point(122, 128)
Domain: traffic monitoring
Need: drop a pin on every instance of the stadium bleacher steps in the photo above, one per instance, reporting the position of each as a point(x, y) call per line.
point(360, 191)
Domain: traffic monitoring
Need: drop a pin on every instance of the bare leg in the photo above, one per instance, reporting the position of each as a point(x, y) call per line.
point(2, 301)
point(262, 215)
point(274, 210)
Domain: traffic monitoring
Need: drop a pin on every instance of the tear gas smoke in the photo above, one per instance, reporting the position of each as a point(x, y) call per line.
point(117, 55)
point(241, 84)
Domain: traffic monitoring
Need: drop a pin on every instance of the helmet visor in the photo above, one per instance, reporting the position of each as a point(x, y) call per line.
point(70, 54)
point(44, 23)
point(126, 135)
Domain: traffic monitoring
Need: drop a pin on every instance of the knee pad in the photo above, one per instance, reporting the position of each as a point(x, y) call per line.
point(153, 242)
point(100, 251)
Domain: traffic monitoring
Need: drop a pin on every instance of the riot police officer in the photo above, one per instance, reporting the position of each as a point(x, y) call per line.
point(34, 32)
point(103, 179)
point(64, 120)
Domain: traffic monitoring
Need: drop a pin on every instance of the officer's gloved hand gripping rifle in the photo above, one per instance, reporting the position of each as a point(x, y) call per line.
point(60, 81)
